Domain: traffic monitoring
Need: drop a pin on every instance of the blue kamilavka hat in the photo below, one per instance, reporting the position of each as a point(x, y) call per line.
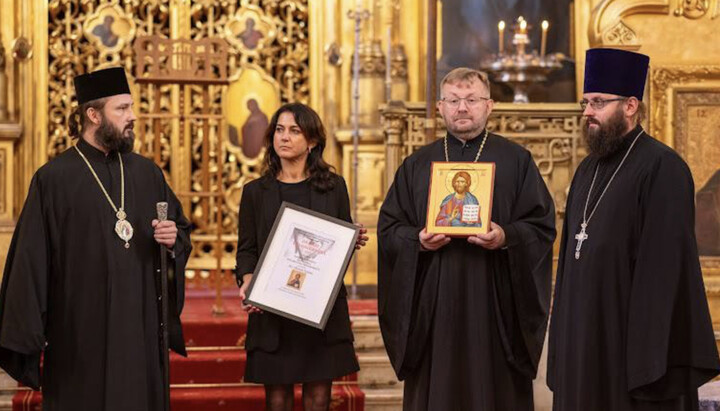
point(614, 71)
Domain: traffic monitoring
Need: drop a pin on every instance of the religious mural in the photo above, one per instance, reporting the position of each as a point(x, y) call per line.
point(109, 28)
point(250, 30)
point(251, 134)
point(251, 98)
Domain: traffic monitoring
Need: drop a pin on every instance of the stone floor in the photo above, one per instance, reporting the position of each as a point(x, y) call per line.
point(543, 395)
point(7, 390)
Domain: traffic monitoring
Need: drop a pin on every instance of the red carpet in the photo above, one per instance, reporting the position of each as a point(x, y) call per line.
point(210, 378)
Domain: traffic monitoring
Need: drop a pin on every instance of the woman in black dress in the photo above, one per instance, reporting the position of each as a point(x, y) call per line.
point(282, 352)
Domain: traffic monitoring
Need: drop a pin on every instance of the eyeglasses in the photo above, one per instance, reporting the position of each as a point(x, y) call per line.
point(469, 101)
point(598, 103)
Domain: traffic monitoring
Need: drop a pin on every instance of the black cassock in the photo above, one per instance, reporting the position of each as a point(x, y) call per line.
point(72, 291)
point(630, 326)
point(464, 326)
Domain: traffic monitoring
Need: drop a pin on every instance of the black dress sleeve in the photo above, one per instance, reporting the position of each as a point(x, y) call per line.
point(343, 200)
point(23, 297)
point(247, 248)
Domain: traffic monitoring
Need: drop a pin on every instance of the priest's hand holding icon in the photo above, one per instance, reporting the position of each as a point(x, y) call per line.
point(432, 242)
point(243, 295)
point(165, 232)
point(494, 239)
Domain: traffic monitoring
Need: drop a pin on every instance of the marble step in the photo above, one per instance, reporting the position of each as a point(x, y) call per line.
point(376, 371)
point(7, 390)
point(375, 368)
point(366, 329)
point(383, 399)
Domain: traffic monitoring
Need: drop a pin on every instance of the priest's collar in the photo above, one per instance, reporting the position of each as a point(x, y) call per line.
point(473, 142)
point(628, 138)
point(93, 153)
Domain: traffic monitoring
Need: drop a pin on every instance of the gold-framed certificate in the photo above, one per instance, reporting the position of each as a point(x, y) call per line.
point(460, 198)
point(301, 268)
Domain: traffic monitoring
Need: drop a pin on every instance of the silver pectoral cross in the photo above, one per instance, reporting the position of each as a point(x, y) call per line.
point(580, 237)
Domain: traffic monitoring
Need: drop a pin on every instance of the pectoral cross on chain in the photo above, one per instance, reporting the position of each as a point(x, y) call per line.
point(580, 237)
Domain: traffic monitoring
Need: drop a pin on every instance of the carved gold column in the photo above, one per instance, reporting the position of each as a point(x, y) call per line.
point(9, 135)
point(394, 123)
point(371, 192)
point(400, 86)
point(3, 84)
point(10, 132)
point(372, 77)
point(399, 73)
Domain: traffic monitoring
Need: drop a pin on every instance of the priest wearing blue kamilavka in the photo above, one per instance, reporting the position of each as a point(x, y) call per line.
point(630, 326)
point(80, 286)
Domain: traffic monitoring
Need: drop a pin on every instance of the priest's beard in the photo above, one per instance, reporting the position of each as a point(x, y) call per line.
point(607, 137)
point(115, 139)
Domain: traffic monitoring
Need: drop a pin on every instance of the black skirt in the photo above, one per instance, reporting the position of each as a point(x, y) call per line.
point(303, 355)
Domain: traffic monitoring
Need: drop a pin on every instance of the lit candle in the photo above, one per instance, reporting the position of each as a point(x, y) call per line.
point(523, 26)
point(501, 38)
point(543, 40)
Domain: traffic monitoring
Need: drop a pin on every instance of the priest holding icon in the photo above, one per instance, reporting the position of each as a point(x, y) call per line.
point(464, 318)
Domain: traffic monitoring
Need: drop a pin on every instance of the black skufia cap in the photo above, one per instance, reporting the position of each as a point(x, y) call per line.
point(100, 84)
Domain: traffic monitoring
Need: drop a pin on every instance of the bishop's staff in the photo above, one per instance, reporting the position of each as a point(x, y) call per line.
point(162, 214)
point(431, 67)
point(358, 15)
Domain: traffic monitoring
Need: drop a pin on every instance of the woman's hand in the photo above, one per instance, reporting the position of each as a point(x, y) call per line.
point(362, 238)
point(243, 290)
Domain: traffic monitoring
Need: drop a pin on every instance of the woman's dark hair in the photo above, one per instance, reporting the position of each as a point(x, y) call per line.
point(320, 173)
point(78, 118)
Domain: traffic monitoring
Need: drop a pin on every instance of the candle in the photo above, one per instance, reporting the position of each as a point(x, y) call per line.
point(501, 36)
point(543, 41)
point(523, 26)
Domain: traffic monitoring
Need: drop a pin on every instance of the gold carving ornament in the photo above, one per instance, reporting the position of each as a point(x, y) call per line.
point(607, 27)
point(692, 9)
